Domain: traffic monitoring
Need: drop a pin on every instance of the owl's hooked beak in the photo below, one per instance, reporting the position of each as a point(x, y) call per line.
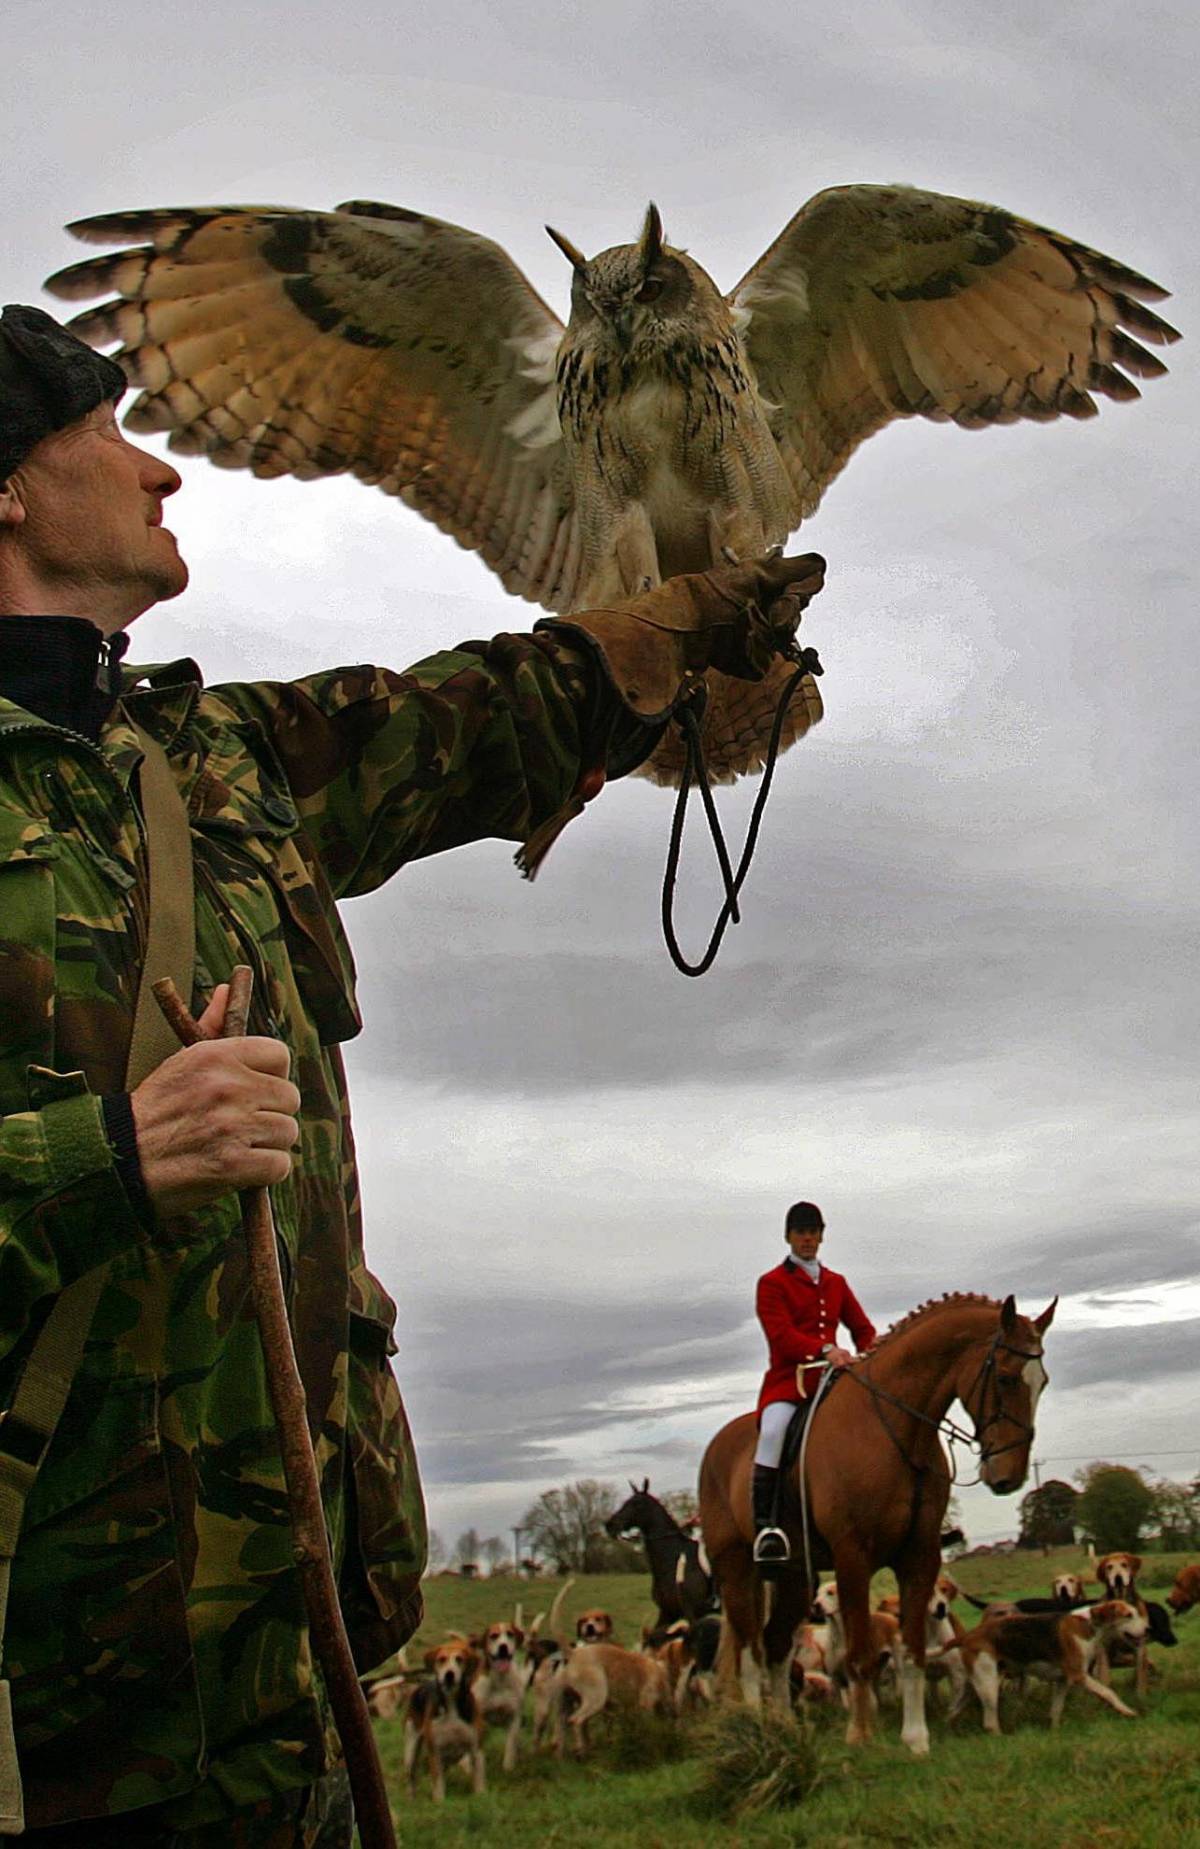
point(575, 258)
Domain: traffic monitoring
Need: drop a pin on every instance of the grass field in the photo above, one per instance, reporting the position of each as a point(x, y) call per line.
point(1099, 1781)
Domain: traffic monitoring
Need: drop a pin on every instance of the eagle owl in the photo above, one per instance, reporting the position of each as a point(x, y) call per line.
point(665, 426)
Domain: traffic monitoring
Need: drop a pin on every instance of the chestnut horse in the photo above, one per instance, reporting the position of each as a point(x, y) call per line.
point(878, 1483)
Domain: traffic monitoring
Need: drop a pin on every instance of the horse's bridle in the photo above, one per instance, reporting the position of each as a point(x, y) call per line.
point(988, 1375)
point(945, 1427)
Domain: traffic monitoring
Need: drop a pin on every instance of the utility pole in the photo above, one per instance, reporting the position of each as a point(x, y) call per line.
point(1037, 1484)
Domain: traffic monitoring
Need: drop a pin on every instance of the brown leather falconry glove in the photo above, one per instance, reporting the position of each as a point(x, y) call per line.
point(735, 618)
point(653, 650)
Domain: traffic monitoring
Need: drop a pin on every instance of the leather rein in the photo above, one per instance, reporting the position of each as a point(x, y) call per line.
point(695, 771)
point(945, 1427)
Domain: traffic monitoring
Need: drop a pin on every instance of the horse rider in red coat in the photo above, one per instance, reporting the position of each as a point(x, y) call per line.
point(800, 1305)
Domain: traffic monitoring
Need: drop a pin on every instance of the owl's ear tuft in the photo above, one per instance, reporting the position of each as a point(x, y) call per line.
point(574, 257)
point(651, 241)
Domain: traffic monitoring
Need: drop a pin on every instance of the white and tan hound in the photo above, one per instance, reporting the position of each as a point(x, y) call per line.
point(594, 1627)
point(499, 1688)
point(943, 1633)
point(1118, 1573)
point(884, 1631)
point(443, 1717)
point(598, 1675)
point(1061, 1649)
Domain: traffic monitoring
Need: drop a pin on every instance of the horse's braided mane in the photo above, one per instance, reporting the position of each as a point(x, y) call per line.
point(930, 1306)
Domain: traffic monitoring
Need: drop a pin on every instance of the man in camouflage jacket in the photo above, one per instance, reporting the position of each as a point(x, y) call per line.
point(161, 1669)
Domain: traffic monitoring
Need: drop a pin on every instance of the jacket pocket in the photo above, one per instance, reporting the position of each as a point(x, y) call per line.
point(97, 1644)
point(28, 926)
point(386, 1533)
point(280, 911)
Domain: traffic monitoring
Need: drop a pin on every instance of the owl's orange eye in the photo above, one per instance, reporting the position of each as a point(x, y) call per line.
point(649, 291)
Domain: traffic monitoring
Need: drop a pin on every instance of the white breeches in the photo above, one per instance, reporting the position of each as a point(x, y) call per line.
point(772, 1430)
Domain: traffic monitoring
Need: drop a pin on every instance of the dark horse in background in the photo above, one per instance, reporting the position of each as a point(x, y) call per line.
point(682, 1583)
point(878, 1483)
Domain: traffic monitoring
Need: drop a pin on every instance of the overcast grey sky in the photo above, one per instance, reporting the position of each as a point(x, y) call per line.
point(960, 1010)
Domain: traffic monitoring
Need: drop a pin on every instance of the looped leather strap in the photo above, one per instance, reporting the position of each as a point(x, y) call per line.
point(696, 771)
point(27, 1427)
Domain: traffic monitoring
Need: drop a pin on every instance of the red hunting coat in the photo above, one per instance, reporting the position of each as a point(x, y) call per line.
point(798, 1318)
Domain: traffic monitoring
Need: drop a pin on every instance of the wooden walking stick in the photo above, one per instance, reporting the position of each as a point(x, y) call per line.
point(332, 1646)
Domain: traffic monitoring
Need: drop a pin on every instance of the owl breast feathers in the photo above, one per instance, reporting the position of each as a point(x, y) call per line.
point(665, 426)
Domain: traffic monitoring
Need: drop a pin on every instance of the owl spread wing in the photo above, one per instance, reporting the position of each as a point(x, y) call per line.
point(368, 339)
point(879, 302)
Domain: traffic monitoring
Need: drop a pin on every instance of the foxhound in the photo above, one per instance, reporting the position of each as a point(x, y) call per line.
point(443, 1717)
point(499, 1688)
point(943, 1633)
point(1061, 1649)
point(1118, 1573)
point(599, 1674)
point(884, 1632)
point(1186, 1591)
point(594, 1627)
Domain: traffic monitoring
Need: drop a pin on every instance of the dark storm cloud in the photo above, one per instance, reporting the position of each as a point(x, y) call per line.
point(852, 1003)
point(554, 1344)
point(530, 1378)
point(1117, 1248)
point(1113, 1357)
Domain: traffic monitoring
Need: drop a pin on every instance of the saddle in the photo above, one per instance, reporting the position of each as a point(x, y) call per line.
point(787, 1512)
point(793, 1438)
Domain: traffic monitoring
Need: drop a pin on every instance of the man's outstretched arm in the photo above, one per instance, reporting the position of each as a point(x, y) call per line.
point(493, 738)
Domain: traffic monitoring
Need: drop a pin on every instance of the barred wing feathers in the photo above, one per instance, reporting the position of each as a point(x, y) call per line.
point(737, 724)
point(878, 302)
point(369, 339)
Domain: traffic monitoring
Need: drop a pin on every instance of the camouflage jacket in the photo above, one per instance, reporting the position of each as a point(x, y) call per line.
point(156, 1639)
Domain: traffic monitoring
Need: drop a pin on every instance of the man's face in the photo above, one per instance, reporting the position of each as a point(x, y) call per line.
point(806, 1243)
point(92, 528)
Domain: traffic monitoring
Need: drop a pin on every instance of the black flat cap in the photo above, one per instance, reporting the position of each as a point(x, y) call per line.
point(48, 379)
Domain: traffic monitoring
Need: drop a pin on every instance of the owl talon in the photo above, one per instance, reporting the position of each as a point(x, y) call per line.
point(730, 556)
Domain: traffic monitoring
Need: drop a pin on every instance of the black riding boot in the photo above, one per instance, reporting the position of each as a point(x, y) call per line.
point(771, 1549)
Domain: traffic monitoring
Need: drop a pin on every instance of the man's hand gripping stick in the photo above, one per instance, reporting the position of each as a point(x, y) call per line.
point(311, 1542)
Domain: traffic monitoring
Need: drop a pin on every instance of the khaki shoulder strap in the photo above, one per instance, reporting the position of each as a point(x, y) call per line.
point(29, 1424)
point(171, 913)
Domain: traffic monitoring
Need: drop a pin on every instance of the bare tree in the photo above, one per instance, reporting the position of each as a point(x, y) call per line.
point(436, 1550)
point(492, 1551)
point(681, 1503)
point(567, 1525)
point(466, 1548)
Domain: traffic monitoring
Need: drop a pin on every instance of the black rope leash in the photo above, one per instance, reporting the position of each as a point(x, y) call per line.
point(695, 770)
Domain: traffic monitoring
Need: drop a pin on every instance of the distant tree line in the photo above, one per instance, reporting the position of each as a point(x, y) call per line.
point(1114, 1507)
point(1110, 1505)
point(563, 1532)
